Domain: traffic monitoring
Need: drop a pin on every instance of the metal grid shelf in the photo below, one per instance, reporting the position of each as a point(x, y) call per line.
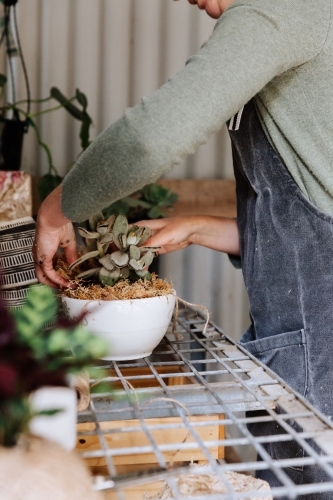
point(183, 410)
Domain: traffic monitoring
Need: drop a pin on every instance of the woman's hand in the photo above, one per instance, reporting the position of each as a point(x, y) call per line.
point(176, 233)
point(53, 230)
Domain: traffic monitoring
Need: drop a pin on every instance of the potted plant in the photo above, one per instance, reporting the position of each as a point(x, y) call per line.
point(126, 305)
point(38, 362)
point(32, 358)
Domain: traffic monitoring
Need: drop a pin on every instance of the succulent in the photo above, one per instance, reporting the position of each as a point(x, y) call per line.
point(128, 260)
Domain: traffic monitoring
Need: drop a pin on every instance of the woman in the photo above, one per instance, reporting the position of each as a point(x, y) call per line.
point(266, 71)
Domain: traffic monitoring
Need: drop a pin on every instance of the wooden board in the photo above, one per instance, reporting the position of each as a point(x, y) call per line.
point(121, 436)
point(145, 371)
point(203, 196)
point(196, 196)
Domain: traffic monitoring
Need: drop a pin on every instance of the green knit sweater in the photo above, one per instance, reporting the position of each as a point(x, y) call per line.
point(280, 51)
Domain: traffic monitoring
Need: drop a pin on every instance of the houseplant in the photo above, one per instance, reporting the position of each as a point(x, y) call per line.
point(30, 359)
point(123, 302)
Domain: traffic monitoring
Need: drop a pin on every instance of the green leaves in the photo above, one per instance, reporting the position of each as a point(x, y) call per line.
point(76, 112)
point(54, 347)
point(47, 183)
point(39, 309)
point(3, 80)
point(148, 203)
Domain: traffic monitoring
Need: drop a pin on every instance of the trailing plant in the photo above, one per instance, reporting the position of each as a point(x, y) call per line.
point(127, 260)
point(32, 356)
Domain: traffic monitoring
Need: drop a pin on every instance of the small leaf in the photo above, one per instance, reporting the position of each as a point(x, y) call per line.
point(120, 259)
point(134, 252)
point(89, 273)
point(47, 413)
point(39, 308)
point(71, 108)
point(124, 272)
point(81, 98)
point(84, 132)
point(83, 258)
point(94, 219)
point(58, 341)
point(109, 278)
point(107, 263)
point(143, 250)
point(148, 258)
point(88, 234)
point(107, 238)
point(137, 265)
point(110, 221)
point(155, 213)
point(146, 234)
point(123, 241)
point(119, 228)
point(102, 227)
point(132, 238)
point(144, 274)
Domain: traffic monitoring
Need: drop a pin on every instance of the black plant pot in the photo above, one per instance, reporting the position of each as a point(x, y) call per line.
point(11, 142)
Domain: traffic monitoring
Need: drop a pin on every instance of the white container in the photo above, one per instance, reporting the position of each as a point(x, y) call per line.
point(61, 427)
point(132, 328)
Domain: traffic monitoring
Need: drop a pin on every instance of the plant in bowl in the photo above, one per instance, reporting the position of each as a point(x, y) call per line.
point(122, 301)
point(34, 359)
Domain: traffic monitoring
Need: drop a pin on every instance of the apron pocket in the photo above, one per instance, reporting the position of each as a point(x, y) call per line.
point(286, 355)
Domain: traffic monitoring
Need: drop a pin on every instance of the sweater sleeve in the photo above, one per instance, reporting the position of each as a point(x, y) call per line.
point(253, 41)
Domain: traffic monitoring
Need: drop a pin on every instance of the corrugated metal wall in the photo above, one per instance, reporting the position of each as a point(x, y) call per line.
point(117, 51)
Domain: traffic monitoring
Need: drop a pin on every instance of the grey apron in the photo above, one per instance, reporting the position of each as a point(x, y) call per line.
point(287, 262)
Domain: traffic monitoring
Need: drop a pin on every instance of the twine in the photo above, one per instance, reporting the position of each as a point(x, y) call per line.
point(176, 314)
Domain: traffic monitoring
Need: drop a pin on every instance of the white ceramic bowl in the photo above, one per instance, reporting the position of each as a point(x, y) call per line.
point(132, 328)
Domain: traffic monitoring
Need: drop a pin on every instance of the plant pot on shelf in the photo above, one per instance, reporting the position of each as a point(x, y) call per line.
point(124, 303)
point(132, 328)
point(60, 427)
point(11, 143)
point(36, 468)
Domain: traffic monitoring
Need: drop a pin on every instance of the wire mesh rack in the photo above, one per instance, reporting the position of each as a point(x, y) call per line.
point(175, 424)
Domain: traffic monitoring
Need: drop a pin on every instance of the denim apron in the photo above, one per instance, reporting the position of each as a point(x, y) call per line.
point(287, 261)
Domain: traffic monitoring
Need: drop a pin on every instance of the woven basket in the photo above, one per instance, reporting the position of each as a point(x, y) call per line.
point(37, 469)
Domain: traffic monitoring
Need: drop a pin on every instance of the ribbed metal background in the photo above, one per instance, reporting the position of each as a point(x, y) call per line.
point(117, 51)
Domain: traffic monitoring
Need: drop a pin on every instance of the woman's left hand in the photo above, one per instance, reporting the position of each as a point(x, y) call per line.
point(53, 230)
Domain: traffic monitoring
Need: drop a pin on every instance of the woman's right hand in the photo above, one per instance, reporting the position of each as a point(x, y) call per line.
point(170, 234)
point(176, 233)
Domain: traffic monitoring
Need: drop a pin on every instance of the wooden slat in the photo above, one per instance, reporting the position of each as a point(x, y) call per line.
point(123, 439)
point(196, 196)
point(203, 196)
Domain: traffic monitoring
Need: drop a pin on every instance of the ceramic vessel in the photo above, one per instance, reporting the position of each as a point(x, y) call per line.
point(61, 427)
point(132, 328)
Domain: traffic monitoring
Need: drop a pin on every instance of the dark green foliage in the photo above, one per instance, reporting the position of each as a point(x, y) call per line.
point(147, 203)
point(32, 356)
point(3, 80)
point(77, 113)
point(47, 184)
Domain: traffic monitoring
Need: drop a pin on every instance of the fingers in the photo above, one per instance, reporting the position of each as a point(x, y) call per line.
point(50, 278)
point(153, 223)
point(70, 252)
point(45, 248)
